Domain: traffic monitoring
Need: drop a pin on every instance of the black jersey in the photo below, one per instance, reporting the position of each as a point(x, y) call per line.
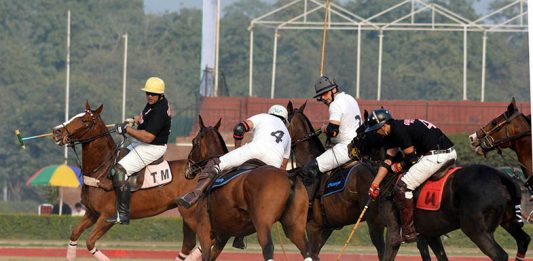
point(421, 134)
point(156, 120)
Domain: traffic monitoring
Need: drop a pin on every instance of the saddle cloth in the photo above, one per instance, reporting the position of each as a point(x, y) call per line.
point(430, 195)
point(156, 175)
point(336, 182)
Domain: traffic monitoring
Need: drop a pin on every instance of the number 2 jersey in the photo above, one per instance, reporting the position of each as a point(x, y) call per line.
point(271, 132)
point(421, 134)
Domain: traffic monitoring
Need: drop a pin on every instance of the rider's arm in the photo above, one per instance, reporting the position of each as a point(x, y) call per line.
point(384, 168)
point(141, 135)
point(240, 129)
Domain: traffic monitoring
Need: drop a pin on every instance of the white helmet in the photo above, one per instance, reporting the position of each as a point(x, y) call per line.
point(279, 110)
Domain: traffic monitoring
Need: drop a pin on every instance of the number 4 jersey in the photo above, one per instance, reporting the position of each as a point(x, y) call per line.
point(271, 132)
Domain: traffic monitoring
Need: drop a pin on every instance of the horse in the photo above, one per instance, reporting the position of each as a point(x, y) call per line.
point(249, 202)
point(99, 153)
point(339, 209)
point(465, 205)
point(511, 129)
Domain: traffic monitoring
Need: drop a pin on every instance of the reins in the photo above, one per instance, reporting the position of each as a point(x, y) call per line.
point(488, 143)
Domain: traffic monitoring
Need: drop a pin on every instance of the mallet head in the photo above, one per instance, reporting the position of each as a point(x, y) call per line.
point(19, 139)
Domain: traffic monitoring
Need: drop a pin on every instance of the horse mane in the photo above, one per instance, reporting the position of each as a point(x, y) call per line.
point(308, 122)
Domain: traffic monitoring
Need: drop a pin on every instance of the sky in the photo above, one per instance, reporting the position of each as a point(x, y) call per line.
point(162, 6)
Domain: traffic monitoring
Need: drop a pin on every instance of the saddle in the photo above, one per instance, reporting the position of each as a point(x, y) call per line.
point(429, 195)
point(232, 173)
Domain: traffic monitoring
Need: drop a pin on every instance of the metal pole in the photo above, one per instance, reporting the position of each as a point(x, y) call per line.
point(124, 76)
point(251, 63)
point(380, 56)
point(358, 72)
point(275, 51)
point(530, 37)
point(483, 66)
point(465, 55)
point(67, 84)
point(217, 33)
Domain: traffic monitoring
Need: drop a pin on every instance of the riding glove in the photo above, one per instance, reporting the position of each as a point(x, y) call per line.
point(374, 191)
point(397, 167)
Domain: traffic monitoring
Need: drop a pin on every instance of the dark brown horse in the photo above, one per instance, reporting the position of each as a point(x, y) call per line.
point(511, 129)
point(251, 202)
point(99, 154)
point(476, 199)
point(337, 210)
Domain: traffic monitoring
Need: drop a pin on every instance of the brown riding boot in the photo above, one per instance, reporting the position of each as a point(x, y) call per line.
point(210, 171)
point(122, 189)
point(406, 207)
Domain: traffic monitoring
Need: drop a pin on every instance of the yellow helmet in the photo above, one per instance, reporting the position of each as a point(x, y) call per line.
point(154, 85)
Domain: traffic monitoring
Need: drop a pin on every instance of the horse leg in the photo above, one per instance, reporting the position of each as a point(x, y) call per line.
point(438, 248)
point(422, 245)
point(220, 243)
point(390, 218)
point(189, 241)
point(376, 230)
point(99, 230)
point(522, 238)
point(264, 237)
point(85, 223)
point(485, 241)
point(295, 231)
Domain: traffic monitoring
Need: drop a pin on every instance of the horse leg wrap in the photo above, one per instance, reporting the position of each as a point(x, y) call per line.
point(99, 255)
point(180, 256)
point(71, 250)
point(520, 256)
point(518, 215)
point(195, 255)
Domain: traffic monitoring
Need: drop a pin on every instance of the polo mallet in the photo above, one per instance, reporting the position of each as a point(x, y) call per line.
point(21, 139)
point(354, 228)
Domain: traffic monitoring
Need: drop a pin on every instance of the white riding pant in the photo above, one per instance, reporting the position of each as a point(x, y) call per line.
point(140, 155)
point(250, 151)
point(425, 167)
point(333, 157)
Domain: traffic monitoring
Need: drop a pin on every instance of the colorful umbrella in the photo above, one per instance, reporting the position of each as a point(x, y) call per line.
point(57, 175)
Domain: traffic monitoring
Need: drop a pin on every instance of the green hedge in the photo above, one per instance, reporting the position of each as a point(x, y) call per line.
point(33, 227)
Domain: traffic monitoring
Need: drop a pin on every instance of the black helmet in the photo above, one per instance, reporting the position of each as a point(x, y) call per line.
point(323, 84)
point(377, 119)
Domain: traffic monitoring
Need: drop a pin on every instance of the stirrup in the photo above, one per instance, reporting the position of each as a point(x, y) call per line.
point(116, 220)
point(410, 238)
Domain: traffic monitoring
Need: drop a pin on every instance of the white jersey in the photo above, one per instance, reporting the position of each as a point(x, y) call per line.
point(270, 131)
point(271, 143)
point(345, 109)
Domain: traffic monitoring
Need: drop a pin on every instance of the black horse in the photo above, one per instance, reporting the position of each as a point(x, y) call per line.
point(476, 199)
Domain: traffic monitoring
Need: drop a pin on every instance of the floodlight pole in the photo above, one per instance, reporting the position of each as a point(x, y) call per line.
point(125, 70)
point(67, 94)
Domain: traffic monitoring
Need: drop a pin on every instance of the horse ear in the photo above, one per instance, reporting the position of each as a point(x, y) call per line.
point(201, 122)
point(365, 114)
point(289, 107)
point(302, 108)
point(218, 123)
point(87, 105)
point(99, 109)
point(512, 106)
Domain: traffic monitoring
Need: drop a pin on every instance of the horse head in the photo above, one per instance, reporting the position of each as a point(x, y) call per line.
point(207, 144)
point(305, 142)
point(369, 146)
point(501, 131)
point(82, 128)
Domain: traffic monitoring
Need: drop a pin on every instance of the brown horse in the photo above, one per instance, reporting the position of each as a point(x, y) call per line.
point(99, 154)
point(333, 211)
point(250, 202)
point(511, 129)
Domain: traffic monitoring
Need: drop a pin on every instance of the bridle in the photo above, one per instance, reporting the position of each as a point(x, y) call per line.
point(71, 142)
point(193, 167)
point(487, 141)
point(309, 132)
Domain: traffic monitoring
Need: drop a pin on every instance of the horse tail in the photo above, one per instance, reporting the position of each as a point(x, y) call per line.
point(512, 187)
